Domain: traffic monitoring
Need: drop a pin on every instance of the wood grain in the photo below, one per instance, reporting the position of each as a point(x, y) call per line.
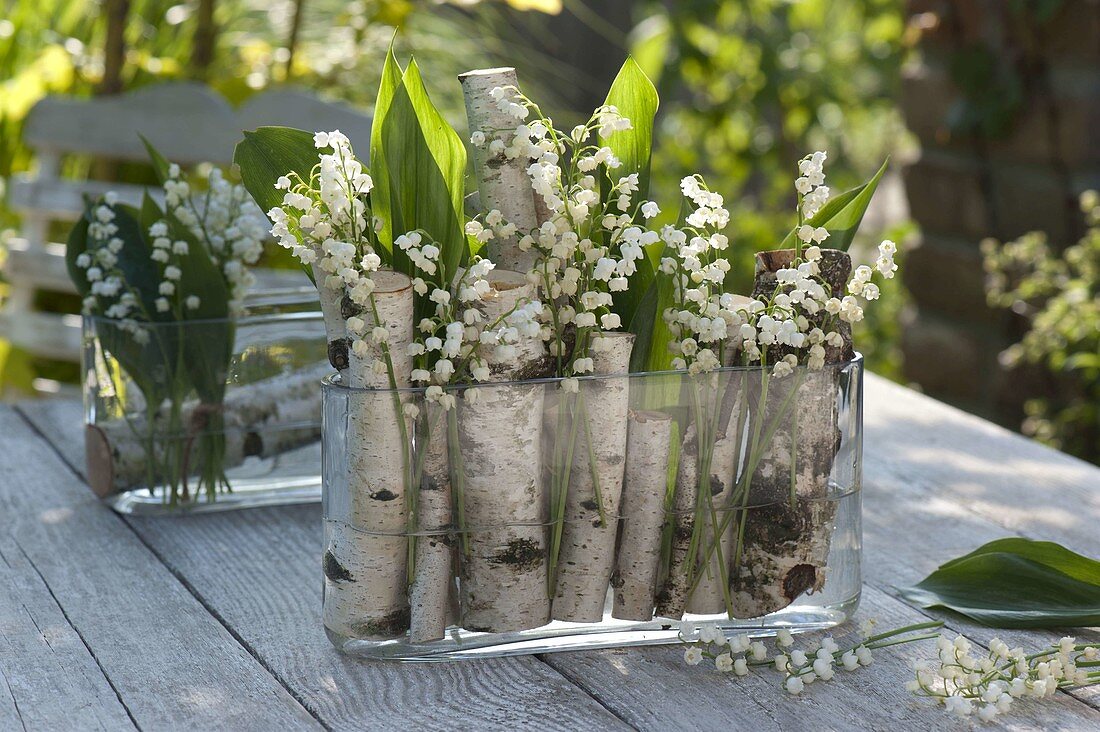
point(170, 663)
point(938, 483)
point(259, 572)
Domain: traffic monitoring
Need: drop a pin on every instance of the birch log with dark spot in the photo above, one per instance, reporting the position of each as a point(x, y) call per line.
point(645, 480)
point(502, 182)
point(503, 502)
point(587, 556)
point(365, 563)
point(788, 527)
point(430, 592)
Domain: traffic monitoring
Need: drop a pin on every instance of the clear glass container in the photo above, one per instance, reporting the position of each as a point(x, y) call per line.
point(600, 511)
point(208, 414)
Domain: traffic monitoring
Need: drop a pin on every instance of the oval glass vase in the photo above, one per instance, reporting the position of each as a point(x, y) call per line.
point(599, 511)
point(205, 415)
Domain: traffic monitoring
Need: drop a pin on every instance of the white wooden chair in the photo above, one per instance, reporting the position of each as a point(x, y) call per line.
point(187, 122)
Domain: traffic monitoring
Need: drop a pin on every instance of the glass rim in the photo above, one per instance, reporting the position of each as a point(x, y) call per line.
point(330, 383)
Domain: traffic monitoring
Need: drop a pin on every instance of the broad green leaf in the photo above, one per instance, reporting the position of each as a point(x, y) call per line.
point(636, 99)
point(634, 95)
point(1016, 583)
point(380, 196)
point(425, 166)
point(266, 154)
point(842, 214)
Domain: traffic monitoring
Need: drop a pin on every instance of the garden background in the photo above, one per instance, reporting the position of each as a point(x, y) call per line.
point(986, 108)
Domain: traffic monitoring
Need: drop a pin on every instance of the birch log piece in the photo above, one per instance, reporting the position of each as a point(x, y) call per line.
point(262, 419)
point(503, 183)
point(788, 528)
point(712, 575)
point(645, 481)
point(365, 563)
point(587, 556)
point(504, 534)
point(331, 312)
point(430, 592)
point(672, 599)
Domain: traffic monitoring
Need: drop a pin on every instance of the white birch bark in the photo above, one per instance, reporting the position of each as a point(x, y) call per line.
point(645, 481)
point(788, 529)
point(262, 419)
point(503, 183)
point(504, 567)
point(587, 555)
point(708, 596)
point(365, 588)
point(672, 599)
point(430, 592)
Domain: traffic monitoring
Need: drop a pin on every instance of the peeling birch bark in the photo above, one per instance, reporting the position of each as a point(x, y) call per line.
point(504, 570)
point(645, 481)
point(365, 563)
point(262, 419)
point(788, 528)
point(503, 183)
point(430, 592)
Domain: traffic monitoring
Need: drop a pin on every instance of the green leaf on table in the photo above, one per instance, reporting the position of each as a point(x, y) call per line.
point(267, 153)
point(1016, 583)
point(380, 195)
point(424, 173)
point(842, 214)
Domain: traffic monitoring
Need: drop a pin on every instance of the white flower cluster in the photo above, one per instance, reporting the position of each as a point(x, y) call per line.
point(326, 221)
point(223, 217)
point(810, 186)
point(988, 684)
point(703, 314)
point(737, 654)
point(588, 246)
point(109, 293)
point(451, 345)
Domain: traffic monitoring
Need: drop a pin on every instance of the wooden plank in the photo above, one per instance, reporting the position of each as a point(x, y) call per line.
point(259, 571)
point(171, 663)
point(186, 121)
point(653, 689)
point(304, 110)
point(49, 676)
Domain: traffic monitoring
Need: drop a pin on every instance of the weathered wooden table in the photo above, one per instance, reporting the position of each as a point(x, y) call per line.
point(213, 622)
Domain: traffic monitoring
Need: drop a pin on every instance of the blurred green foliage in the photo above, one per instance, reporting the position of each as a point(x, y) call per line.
point(1058, 295)
point(747, 87)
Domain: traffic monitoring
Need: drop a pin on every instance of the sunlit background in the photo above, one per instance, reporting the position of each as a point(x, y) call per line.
point(948, 91)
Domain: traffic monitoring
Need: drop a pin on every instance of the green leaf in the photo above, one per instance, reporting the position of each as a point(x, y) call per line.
point(380, 195)
point(266, 154)
point(634, 95)
point(1016, 583)
point(842, 214)
point(160, 163)
point(424, 173)
point(151, 366)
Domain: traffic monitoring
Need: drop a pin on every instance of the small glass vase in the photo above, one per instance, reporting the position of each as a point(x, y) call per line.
point(553, 514)
point(206, 415)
